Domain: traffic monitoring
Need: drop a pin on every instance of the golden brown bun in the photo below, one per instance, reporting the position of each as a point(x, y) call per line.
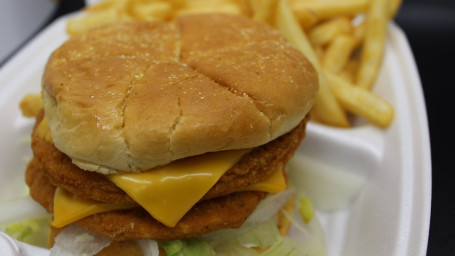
point(136, 95)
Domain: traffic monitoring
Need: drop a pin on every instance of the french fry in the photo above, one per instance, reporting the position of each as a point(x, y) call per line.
point(245, 7)
point(326, 107)
point(326, 9)
point(177, 3)
point(361, 101)
point(374, 43)
point(31, 104)
point(394, 7)
point(358, 33)
point(79, 25)
point(151, 10)
point(338, 52)
point(349, 70)
point(319, 50)
point(325, 32)
point(307, 19)
point(106, 5)
point(227, 8)
point(263, 10)
point(204, 3)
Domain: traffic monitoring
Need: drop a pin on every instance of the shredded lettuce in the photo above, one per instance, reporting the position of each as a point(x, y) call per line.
point(172, 247)
point(187, 247)
point(305, 208)
point(196, 247)
point(233, 248)
point(309, 230)
point(283, 247)
point(263, 240)
point(265, 211)
point(264, 237)
point(31, 231)
point(25, 220)
point(261, 236)
point(20, 209)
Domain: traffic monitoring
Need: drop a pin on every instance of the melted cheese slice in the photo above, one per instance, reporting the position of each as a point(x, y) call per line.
point(170, 192)
point(274, 183)
point(44, 131)
point(69, 208)
point(167, 193)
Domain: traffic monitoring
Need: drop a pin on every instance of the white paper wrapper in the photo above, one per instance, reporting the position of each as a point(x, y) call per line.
point(11, 247)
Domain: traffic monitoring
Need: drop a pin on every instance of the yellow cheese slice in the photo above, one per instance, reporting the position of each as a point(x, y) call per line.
point(44, 131)
point(170, 192)
point(69, 208)
point(275, 183)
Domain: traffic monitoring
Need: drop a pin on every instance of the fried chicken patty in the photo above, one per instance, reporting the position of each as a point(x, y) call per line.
point(229, 211)
point(222, 207)
point(250, 169)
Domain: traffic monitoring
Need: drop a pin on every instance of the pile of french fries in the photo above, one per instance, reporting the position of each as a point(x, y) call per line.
point(344, 40)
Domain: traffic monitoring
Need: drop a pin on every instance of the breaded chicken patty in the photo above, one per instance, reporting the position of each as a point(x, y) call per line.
point(252, 168)
point(136, 223)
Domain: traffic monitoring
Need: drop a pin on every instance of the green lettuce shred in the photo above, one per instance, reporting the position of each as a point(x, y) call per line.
point(31, 231)
point(283, 247)
point(260, 236)
point(305, 207)
point(187, 247)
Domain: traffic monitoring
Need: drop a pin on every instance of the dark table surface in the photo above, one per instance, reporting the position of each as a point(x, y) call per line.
point(430, 28)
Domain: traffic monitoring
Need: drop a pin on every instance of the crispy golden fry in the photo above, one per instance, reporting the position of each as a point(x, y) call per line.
point(374, 43)
point(105, 5)
point(319, 50)
point(283, 222)
point(263, 10)
point(349, 70)
point(227, 8)
point(308, 19)
point(203, 4)
point(361, 101)
point(338, 52)
point(177, 3)
point(326, 107)
point(326, 9)
point(31, 104)
point(325, 32)
point(79, 25)
point(151, 10)
point(358, 33)
point(245, 7)
point(394, 7)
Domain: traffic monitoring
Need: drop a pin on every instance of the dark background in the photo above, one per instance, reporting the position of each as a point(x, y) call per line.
point(430, 28)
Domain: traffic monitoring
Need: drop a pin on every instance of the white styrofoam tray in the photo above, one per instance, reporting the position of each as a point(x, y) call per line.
point(391, 214)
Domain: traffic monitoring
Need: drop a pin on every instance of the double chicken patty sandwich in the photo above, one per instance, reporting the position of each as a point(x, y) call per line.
point(168, 130)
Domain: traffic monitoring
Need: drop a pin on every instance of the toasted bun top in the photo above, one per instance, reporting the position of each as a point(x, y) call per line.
point(132, 96)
